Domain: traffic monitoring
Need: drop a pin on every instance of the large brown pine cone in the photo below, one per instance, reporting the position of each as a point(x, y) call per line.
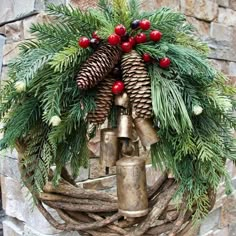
point(103, 101)
point(137, 84)
point(98, 66)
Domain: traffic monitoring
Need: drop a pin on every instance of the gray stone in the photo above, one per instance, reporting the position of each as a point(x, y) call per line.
point(14, 31)
point(152, 174)
point(232, 4)
point(221, 232)
point(201, 9)
point(12, 227)
point(17, 203)
point(28, 231)
point(223, 3)
point(221, 65)
point(232, 230)
point(9, 168)
point(96, 170)
point(202, 28)
point(227, 16)
point(100, 184)
point(211, 222)
point(56, 2)
point(83, 5)
point(222, 50)
point(10, 51)
point(40, 18)
point(232, 68)
point(174, 4)
point(228, 212)
point(2, 42)
point(3, 75)
point(83, 173)
point(220, 32)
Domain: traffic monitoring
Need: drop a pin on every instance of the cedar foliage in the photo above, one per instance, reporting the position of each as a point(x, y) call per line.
point(194, 148)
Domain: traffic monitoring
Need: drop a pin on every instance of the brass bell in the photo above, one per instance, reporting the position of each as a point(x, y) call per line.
point(146, 131)
point(125, 126)
point(132, 187)
point(122, 100)
point(109, 152)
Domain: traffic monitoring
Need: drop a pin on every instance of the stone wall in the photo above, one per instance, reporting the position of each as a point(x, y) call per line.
point(215, 22)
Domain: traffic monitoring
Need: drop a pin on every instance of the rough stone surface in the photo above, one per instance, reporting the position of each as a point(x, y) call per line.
point(10, 51)
point(221, 65)
point(14, 31)
point(222, 50)
point(232, 4)
point(83, 4)
point(101, 183)
point(18, 204)
point(227, 16)
point(9, 168)
point(201, 9)
point(2, 42)
point(13, 227)
point(29, 231)
point(232, 68)
point(223, 3)
point(95, 169)
point(174, 4)
point(220, 32)
point(228, 212)
point(210, 222)
point(202, 28)
point(40, 18)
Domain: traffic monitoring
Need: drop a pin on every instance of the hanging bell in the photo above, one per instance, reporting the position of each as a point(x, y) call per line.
point(146, 131)
point(132, 187)
point(122, 100)
point(109, 152)
point(125, 126)
point(135, 143)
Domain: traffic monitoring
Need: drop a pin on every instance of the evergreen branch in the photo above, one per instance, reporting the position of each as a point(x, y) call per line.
point(168, 104)
point(23, 117)
point(68, 57)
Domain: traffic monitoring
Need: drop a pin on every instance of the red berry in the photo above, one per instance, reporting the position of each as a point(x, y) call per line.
point(164, 62)
point(147, 57)
point(155, 35)
point(114, 39)
point(126, 46)
point(95, 35)
point(141, 38)
point(132, 41)
point(120, 30)
point(84, 42)
point(118, 87)
point(145, 24)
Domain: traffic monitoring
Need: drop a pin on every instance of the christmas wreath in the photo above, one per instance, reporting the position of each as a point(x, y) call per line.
point(147, 76)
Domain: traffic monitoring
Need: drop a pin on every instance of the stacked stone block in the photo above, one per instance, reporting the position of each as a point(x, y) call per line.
point(215, 23)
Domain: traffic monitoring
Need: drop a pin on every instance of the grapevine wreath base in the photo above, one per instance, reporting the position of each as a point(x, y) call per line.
point(147, 76)
point(96, 213)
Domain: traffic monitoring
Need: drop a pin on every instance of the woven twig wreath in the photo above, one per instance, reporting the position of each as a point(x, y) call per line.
point(96, 213)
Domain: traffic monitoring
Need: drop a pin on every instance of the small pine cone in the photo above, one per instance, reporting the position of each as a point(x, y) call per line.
point(137, 84)
point(103, 101)
point(98, 66)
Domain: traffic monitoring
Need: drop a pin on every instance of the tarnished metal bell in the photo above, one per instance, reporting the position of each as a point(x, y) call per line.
point(146, 131)
point(125, 126)
point(132, 187)
point(109, 152)
point(122, 100)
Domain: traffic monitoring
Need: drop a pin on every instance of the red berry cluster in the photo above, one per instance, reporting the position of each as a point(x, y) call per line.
point(85, 42)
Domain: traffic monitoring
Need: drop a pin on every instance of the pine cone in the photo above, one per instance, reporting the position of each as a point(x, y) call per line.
point(103, 101)
point(137, 84)
point(97, 66)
